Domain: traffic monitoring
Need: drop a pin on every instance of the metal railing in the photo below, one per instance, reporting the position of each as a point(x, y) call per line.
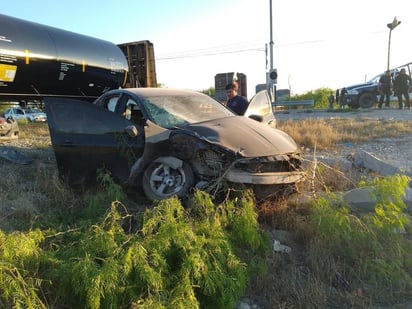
point(293, 103)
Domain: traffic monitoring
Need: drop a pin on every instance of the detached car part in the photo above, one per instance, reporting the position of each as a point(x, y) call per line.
point(9, 129)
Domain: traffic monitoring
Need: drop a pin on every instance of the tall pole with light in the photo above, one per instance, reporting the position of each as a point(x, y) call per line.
point(272, 74)
point(391, 26)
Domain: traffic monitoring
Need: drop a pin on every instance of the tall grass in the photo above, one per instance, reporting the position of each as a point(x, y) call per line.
point(173, 258)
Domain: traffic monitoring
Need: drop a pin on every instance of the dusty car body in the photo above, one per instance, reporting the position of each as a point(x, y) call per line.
point(35, 115)
point(169, 141)
point(9, 129)
point(31, 114)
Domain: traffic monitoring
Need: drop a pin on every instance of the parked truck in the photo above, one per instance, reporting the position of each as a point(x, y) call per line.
point(37, 61)
point(365, 95)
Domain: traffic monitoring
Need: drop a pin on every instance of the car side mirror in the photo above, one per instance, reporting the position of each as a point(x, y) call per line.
point(132, 131)
point(256, 117)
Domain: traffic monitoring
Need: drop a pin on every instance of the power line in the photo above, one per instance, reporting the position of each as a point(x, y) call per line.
point(239, 48)
point(194, 54)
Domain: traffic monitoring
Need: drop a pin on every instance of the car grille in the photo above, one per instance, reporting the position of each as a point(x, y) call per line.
point(281, 163)
point(209, 163)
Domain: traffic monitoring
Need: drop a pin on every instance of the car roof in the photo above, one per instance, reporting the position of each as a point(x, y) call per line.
point(147, 92)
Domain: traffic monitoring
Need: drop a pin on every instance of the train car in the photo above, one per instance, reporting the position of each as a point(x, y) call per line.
point(141, 62)
point(37, 61)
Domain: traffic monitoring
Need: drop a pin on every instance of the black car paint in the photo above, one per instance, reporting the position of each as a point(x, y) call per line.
point(109, 147)
point(87, 137)
point(354, 100)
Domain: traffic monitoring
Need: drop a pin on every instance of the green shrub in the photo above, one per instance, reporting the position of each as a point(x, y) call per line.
point(176, 258)
point(320, 96)
point(371, 251)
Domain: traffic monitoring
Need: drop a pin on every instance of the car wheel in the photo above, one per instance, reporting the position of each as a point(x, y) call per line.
point(367, 100)
point(161, 181)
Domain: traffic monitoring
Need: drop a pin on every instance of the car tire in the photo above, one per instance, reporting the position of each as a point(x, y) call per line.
point(367, 100)
point(161, 181)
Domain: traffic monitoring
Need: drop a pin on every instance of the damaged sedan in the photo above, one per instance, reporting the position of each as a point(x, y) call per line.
point(168, 141)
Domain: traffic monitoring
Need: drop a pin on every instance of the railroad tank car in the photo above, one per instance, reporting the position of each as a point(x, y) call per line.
point(38, 60)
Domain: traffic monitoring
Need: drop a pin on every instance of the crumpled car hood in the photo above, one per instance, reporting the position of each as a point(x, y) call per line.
point(245, 136)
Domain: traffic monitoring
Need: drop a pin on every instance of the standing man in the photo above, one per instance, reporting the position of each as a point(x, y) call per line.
point(385, 85)
point(235, 102)
point(331, 99)
point(342, 98)
point(401, 84)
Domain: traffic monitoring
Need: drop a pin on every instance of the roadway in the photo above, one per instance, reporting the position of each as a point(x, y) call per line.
point(372, 113)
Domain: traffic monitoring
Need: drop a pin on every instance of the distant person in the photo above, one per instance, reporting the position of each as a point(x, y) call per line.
point(337, 95)
point(385, 88)
point(331, 99)
point(402, 83)
point(395, 85)
point(235, 102)
point(342, 98)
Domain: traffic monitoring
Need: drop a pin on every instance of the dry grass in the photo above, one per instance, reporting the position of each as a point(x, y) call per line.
point(33, 130)
point(327, 134)
point(30, 192)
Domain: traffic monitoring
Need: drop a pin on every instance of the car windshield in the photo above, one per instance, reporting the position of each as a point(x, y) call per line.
point(179, 110)
point(375, 80)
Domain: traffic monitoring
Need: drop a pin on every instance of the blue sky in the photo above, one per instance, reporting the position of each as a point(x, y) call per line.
point(317, 43)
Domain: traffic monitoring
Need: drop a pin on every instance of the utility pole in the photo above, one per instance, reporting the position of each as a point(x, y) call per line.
point(391, 26)
point(271, 37)
point(271, 76)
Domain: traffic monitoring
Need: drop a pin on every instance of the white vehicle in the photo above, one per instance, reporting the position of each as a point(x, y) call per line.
point(31, 114)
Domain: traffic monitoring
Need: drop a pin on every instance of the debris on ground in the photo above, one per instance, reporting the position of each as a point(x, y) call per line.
point(13, 155)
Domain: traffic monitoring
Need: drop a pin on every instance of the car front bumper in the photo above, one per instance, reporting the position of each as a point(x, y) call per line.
point(266, 178)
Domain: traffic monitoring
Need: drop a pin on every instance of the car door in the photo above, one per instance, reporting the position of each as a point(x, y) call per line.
point(87, 137)
point(260, 108)
point(19, 113)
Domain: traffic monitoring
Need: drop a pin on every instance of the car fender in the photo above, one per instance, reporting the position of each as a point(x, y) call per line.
point(140, 164)
point(171, 161)
point(157, 140)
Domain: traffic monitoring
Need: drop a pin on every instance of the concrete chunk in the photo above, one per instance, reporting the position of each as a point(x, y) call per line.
point(361, 199)
point(364, 159)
